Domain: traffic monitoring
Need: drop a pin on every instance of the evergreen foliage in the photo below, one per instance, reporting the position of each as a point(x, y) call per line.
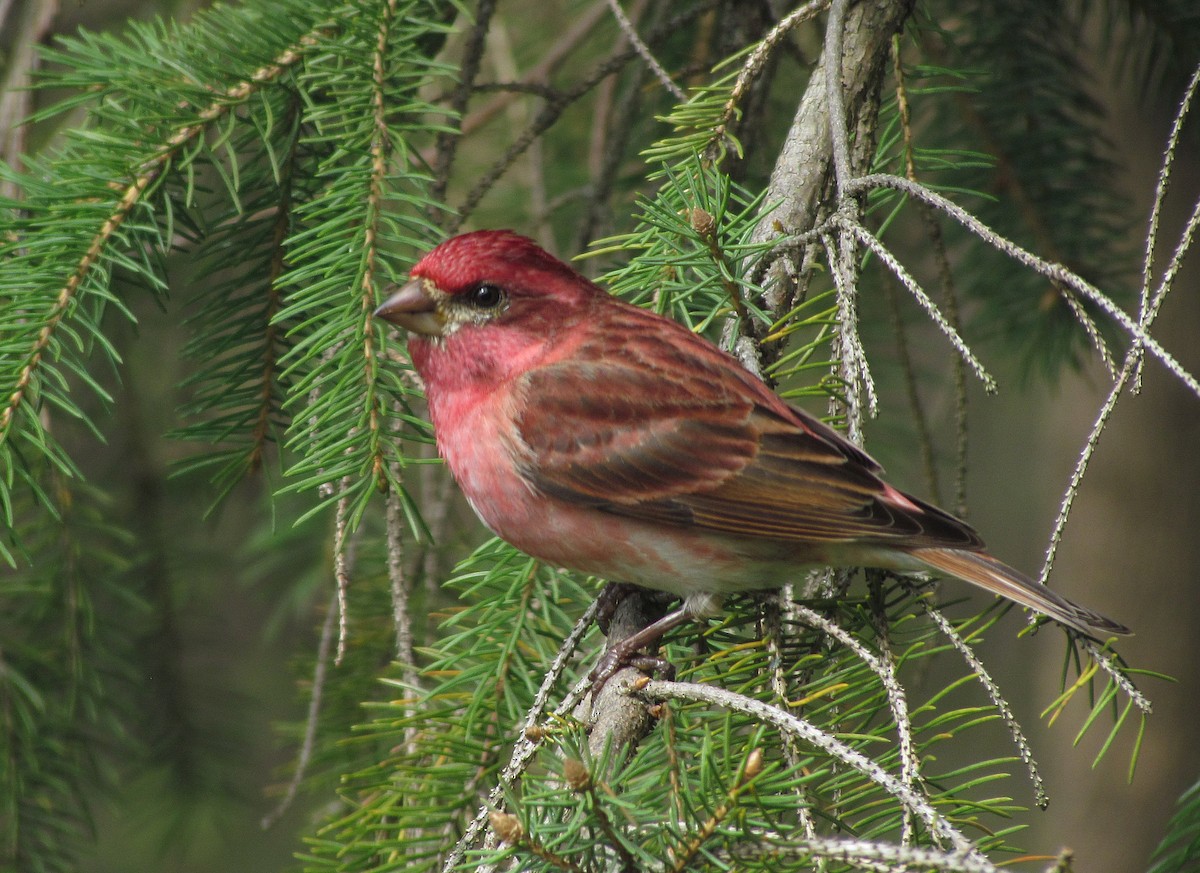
point(266, 170)
point(1180, 848)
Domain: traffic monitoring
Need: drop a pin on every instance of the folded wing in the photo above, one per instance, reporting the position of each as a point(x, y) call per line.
point(688, 441)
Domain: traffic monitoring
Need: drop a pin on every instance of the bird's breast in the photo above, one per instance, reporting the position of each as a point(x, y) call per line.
point(478, 438)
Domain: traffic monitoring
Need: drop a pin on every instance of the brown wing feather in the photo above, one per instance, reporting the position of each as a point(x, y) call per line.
point(616, 447)
point(691, 440)
point(787, 491)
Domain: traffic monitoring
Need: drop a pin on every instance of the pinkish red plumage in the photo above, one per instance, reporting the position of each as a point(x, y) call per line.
point(604, 438)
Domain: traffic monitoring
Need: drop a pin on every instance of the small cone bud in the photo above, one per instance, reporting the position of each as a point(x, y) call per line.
point(702, 222)
point(507, 827)
point(753, 764)
point(576, 774)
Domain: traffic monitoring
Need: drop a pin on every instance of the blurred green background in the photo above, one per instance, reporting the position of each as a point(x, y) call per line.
point(237, 600)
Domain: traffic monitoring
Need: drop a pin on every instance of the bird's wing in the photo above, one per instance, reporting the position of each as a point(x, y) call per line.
point(788, 492)
point(696, 444)
point(615, 433)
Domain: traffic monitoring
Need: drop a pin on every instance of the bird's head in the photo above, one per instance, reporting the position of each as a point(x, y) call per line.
point(484, 278)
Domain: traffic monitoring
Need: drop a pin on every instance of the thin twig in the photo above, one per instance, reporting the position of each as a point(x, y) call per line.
point(885, 669)
point(1009, 178)
point(756, 63)
point(1160, 195)
point(1099, 343)
point(341, 571)
point(1056, 272)
point(657, 689)
point(1108, 662)
point(855, 370)
point(1129, 371)
point(866, 855)
point(309, 743)
point(774, 608)
point(1186, 238)
point(1041, 798)
point(872, 242)
point(525, 747)
point(910, 763)
point(642, 49)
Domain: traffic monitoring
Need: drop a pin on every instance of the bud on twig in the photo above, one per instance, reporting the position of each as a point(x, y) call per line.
point(507, 826)
point(702, 222)
point(576, 774)
point(753, 765)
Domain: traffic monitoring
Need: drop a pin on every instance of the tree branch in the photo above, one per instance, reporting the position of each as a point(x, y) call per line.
point(802, 171)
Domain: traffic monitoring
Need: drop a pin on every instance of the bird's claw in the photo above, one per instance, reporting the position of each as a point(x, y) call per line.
point(619, 657)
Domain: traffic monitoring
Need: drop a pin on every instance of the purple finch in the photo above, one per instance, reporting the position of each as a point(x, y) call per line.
point(607, 439)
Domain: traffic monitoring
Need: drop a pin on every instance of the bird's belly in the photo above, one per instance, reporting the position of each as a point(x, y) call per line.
point(679, 560)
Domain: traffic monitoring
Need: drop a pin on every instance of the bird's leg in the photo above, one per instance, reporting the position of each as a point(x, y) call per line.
point(625, 651)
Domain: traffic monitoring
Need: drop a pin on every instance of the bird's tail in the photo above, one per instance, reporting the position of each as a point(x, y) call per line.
point(980, 568)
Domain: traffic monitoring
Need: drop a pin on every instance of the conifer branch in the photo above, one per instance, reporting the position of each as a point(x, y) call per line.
point(753, 68)
point(657, 689)
point(132, 195)
point(935, 315)
point(1041, 798)
point(379, 149)
point(1056, 272)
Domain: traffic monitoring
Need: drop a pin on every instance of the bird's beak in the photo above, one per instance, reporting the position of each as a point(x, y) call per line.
point(414, 309)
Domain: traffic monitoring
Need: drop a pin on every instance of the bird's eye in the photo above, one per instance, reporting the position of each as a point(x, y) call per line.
point(485, 296)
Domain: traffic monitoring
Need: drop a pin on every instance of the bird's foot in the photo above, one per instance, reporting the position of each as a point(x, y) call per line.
point(627, 652)
point(621, 656)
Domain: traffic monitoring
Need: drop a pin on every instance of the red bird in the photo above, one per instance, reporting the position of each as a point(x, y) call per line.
point(607, 439)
